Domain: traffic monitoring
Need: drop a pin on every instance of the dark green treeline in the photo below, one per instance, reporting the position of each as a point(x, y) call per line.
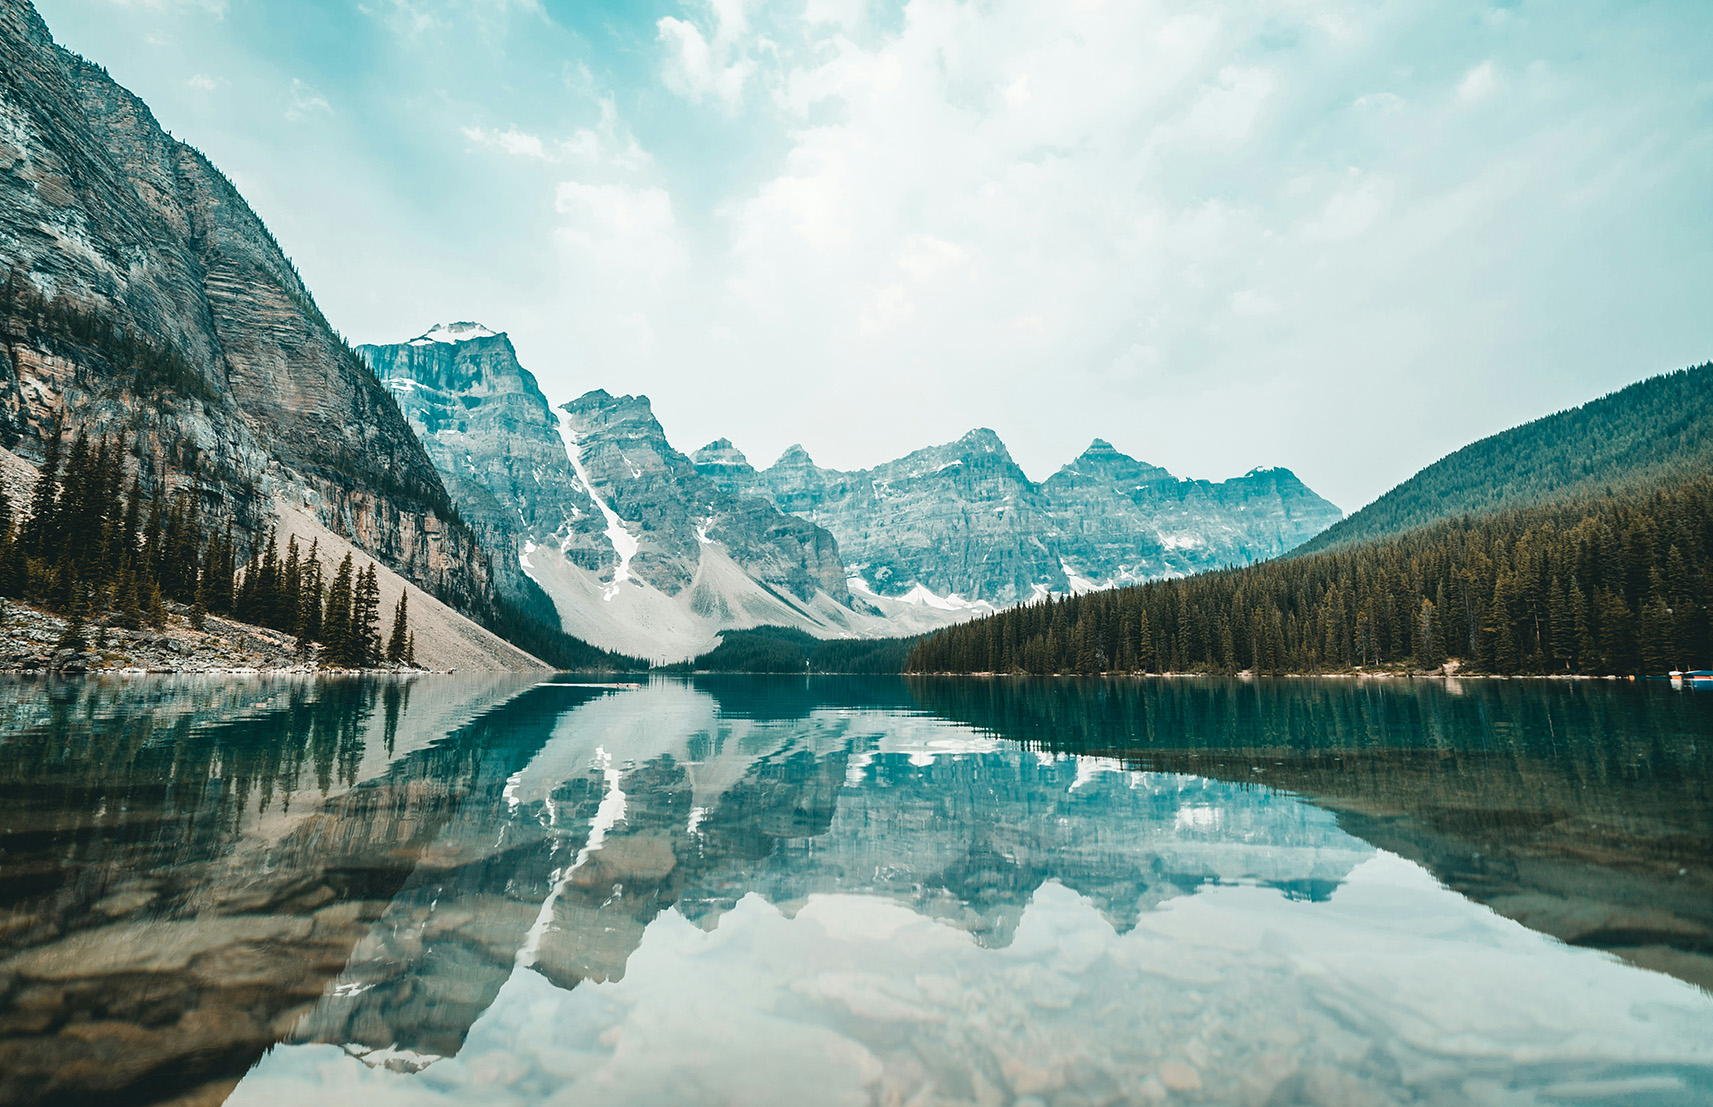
point(93, 545)
point(1605, 585)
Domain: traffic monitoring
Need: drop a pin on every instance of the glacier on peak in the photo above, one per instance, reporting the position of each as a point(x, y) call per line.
point(453, 333)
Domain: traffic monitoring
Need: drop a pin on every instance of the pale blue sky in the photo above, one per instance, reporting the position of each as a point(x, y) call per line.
point(1345, 237)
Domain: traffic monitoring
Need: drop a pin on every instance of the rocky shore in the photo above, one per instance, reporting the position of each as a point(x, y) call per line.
point(34, 640)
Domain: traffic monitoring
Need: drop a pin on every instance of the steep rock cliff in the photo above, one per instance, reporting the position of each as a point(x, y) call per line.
point(490, 434)
point(623, 449)
point(145, 299)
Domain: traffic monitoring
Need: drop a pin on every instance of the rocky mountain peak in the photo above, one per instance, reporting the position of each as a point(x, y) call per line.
point(720, 454)
point(983, 439)
point(795, 457)
point(602, 407)
point(454, 333)
point(1104, 461)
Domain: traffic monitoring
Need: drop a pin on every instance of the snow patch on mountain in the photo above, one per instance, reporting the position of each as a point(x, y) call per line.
point(1080, 584)
point(624, 542)
point(923, 596)
point(453, 333)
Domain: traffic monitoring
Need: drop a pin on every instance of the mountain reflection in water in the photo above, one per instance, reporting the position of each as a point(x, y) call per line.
point(866, 891)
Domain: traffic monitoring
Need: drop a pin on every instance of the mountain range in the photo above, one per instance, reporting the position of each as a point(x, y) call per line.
point(963, 520)
point(649, 552)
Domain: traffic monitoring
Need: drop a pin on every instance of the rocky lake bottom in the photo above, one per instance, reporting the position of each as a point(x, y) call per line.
point(450, 889)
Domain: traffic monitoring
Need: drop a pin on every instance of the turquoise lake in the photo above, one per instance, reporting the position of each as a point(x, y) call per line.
point(456, 890)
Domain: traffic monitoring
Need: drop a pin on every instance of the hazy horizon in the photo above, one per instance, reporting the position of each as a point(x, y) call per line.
point(1334, 238)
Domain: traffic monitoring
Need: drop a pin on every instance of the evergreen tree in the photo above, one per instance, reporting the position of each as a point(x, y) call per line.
point(337, 634)
point(309, 595)
point(38, 533)
point(366, 619)
point(396, 642)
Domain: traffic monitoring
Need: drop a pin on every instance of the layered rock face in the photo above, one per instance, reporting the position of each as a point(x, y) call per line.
point(493, 439)
point(1125, 520)
point(639, 551)
point(963, 520)
point(111, 221)
point(623, 450)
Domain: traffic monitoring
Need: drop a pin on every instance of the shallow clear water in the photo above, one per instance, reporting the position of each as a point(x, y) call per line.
point(755, 890)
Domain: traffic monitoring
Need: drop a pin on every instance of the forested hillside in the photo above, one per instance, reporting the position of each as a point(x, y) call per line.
point(1615, 583)
point(1656, 430)
point(103, 547)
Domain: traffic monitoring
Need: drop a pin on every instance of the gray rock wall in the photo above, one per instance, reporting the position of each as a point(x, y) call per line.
point(102, 211)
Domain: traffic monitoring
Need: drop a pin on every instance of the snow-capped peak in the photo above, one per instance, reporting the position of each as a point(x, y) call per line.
point(453, 333)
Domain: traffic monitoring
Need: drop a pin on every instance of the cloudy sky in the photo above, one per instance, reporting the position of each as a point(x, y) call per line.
point(1344, 237)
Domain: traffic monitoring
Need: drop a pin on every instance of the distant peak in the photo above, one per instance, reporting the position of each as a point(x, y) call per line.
point(796, 454)
point(719, 452)
point(1098, 447)
point(453, 333)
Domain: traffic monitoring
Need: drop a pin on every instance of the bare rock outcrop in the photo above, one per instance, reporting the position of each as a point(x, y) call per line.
point(146, 300)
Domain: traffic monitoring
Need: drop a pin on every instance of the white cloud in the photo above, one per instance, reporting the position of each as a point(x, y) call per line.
point(202, 82)
point(1225, 110)
point(618, 230)
point(988, 205)
point(303, 101)
point(699, 69)
point(607, 144)
point(1350, 211)
point(510, 141)
point(412, 20)
point(1478, 84)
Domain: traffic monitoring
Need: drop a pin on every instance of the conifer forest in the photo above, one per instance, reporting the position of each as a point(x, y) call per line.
point(1613, 584)
point(93, 543)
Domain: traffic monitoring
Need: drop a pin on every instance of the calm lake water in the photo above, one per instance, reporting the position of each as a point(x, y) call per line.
point(865, 891)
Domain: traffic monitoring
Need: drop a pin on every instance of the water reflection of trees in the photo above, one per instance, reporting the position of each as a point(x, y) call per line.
point(93, 748)
point(1582, 809)
point(186, 862)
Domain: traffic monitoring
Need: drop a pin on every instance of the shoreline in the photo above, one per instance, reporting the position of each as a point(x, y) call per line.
point(32, 643)
point(1425, 674)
